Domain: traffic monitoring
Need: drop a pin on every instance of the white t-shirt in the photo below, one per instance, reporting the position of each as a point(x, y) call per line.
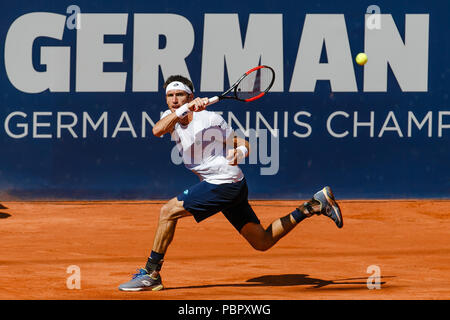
point(201, 144)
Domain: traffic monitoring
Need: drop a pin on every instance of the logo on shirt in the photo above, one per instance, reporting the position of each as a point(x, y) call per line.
point(186, 191)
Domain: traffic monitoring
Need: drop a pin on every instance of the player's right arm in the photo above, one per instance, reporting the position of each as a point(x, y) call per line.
point(165, 125)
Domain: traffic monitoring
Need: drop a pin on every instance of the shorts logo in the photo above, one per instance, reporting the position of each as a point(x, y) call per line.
point(186, 191)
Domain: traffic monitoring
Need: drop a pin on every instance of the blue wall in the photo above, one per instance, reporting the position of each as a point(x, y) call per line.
point(140, 168)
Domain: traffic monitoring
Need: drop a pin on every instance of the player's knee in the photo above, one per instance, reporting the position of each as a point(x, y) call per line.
point(261, 244)
point(257, 237)
point(165, 213)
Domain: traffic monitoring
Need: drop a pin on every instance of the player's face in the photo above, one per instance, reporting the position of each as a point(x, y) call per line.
point(176, 98)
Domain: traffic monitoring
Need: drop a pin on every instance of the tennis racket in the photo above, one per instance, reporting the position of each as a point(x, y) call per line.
point(250, 86)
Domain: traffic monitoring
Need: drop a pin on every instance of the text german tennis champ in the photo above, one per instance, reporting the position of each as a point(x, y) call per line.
point(338, 124)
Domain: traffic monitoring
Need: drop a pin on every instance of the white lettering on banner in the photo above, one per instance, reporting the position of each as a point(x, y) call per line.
point(330, 118)
point(369, 124)
point(103, 118)
point(286, 124)
point(441, 125)
point(69, 126)
point(222, 44)
point(274, 129)
point(408, 60)
point(428, 118)
point(148, 57)
point(385, 127)
point(391, 117)
point(223, 47)
point(232, 119)
point(37, 124)
point(129, 126)
point(327, 30)
point(146, 119)
point(18, 54)
point(338, 124)
point(92, 52)
point(302, 124)
point(19, 125)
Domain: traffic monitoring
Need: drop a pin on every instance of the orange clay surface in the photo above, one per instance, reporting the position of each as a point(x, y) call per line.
point(408, 240)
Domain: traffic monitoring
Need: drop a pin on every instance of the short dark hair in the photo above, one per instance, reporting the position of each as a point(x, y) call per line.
point(180, 78)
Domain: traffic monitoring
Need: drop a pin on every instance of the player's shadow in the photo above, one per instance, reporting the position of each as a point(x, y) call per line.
point(287, 280)
point(4, 215)
point(2, 206)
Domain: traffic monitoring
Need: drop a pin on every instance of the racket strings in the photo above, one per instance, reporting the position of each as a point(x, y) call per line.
point(254, 84)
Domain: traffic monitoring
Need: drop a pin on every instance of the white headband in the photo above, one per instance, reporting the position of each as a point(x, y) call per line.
point(177, 85)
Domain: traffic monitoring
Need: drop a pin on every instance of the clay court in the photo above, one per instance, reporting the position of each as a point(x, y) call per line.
point(407, 239)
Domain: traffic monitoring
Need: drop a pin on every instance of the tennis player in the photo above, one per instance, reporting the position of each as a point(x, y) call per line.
point(222, 185)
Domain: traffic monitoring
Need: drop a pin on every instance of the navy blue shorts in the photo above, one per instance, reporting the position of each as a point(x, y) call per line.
point(206, 199)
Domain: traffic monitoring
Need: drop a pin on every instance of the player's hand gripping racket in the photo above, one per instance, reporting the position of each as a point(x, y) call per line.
point(250, 86)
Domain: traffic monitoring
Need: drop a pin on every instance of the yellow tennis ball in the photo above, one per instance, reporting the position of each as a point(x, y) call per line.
point(361, 59)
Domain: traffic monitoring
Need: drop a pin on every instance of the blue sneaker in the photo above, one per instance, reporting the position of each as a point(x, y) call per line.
point(329, 206)
point(143, 281)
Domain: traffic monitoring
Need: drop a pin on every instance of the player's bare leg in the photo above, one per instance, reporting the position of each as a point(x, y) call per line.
point(323, 202)
point(169, 215)
point(263, 239)
point(149, 278)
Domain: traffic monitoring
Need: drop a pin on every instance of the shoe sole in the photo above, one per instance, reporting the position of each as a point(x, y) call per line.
point(337, 211)
point(156, 288)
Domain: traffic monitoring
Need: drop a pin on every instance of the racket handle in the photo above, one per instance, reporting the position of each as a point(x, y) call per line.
point(213, 100)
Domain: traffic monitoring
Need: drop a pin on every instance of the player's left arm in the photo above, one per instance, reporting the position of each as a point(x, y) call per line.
point(240, 149)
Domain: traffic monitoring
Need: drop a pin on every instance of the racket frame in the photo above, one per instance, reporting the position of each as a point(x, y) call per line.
point(236, 84)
